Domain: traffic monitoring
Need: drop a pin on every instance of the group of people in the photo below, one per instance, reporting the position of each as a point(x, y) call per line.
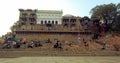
point(12, 44)
point(23, 43)
point(9, 43)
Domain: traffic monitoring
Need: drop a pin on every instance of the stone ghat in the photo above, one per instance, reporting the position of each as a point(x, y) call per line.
point(32, 53)
point(76, 49)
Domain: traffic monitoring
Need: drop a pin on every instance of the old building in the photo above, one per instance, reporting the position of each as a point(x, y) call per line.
point(27, 16)
point(43, 24)
point(71, 23)
point(49, 16)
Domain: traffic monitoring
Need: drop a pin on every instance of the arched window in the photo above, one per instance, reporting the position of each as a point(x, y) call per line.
point(56, 22)
point(52, 22)
point(45, 22)
point(48, 22)
point(41, 21)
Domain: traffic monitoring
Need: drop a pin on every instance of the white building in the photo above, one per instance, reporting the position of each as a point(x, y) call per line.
point(49, 16)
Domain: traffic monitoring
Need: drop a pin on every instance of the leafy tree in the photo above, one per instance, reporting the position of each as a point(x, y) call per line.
point(110, 13)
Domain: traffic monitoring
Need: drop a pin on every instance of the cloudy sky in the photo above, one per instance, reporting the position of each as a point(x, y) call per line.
point(9, 13)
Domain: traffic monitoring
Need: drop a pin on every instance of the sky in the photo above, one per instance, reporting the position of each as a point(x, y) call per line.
point(9, 13)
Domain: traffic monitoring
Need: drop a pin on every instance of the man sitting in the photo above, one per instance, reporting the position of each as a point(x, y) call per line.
point(58, 45)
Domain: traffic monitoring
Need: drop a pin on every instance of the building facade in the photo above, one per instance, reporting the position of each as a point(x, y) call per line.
point(49, 16)
point(43, 24)
point(27, 17)
point(71, 22)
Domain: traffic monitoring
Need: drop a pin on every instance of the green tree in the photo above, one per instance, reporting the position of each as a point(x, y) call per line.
point(109, 13)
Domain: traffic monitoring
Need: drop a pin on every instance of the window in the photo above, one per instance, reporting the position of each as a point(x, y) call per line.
point(41, 22)
point(49, 22)
point(23, 19)
point(71, 20)
point(56, 22)
point(45, 22)
point(65, 20)
point(32, 19)
point(52, 22)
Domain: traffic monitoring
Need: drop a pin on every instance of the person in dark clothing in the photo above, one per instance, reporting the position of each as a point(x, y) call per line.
point(58, 45)
point(85, 43)
point(38, 44)
point(104, 46)
point(17, 45)
point(6, 46)
point(24, 44)
point(48, 41)
point(29, 46)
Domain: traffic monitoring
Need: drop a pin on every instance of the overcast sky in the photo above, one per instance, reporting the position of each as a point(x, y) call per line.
point(9, 8)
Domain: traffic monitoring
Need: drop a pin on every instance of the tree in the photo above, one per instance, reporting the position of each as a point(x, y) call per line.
point(110, 13)
point(116, 24)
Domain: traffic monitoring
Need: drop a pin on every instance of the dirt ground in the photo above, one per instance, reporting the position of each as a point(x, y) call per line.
point(73, 59)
